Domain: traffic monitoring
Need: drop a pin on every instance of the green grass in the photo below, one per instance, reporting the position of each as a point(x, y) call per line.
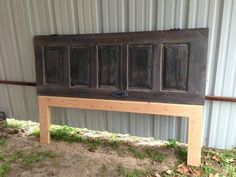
point(213, 161)
point(35, 132)
point(15, 156)
point(65, 133)
point(136, 153)
point(4, 169)
point(72, 135)
point(150, 153)
point(2, 157)
point(103, 170)
point(125, 172)
point(37, 156)
point(93, 144)
point(207, 170)
point(69, 134)
point(155, 155)
point(226, 160)
point(180, 151)
point(113, 142)
point(12, 123)
point(225, 166)
point(25, 159)
point(172, 143)
point(7, 160)
point(2, 141)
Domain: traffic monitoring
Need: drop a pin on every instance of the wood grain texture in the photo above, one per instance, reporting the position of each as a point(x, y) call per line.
point(193, 112)
point(175, 67)
point(140, 66)
point(195, 138)
point(53, 65)
point(44, 120)
point(157, 66)
point(80, 66)
point(109, 62)
point(124, 106)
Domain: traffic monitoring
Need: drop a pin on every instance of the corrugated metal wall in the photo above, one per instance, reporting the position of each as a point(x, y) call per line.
point(22, 19)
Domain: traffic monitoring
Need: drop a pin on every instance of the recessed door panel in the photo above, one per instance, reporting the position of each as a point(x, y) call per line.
point(80, 66)
point(175, 67)
point(157, 66)
point(140, 65)
point(109, 66)
point(53, 63)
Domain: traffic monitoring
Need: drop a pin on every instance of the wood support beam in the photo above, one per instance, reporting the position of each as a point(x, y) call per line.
point(193, 112)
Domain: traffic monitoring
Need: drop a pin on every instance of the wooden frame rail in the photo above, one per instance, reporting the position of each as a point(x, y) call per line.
point(193, 112)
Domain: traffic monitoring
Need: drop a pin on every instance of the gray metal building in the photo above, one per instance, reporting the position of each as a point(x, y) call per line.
point(20, 20)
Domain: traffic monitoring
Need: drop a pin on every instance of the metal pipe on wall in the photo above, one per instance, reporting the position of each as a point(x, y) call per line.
point(208, 97)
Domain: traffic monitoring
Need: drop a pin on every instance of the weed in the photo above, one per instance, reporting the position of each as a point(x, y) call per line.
point(103, 169)
point(137, 173)
point(35, 132)
point(147, 153)
point(4, 169)
point(65, 133)
point(2, 141)
point(208, 170)
point(114, 136)
point(36, 157)
point(114, 144)
point(16, 155)
point(12, 123)
point(5, 166)
point(225, 159)
point(155, 155)
point(181, 153)
point(136, 153)
point(93, 144)
point(2, 157)
point(172, 143)
point(122, 171)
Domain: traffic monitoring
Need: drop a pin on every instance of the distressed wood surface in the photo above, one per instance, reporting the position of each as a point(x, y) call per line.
point(157, 66)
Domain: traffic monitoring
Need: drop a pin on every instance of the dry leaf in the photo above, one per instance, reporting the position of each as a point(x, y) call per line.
point(214, 157)
point(156, 174)
point(169, 172)
point(196, 172)
point(216, 175)
point(231, 160)
point(183, 169)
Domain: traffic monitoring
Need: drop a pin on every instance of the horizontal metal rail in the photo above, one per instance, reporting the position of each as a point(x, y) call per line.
point(221, 98)
point(209, 97)
point(33, 84)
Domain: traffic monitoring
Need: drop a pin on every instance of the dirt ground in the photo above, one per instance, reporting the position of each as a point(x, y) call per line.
point(87, 153)
point(75, 160)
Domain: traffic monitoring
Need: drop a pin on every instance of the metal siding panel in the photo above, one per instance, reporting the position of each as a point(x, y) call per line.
point(58, 116)
point(118, 122)
point(96, 120)
point(231, 130)
point(21, 20)
point(141, 125)
point(225, 82)
point(76, 118)
point(5, 103)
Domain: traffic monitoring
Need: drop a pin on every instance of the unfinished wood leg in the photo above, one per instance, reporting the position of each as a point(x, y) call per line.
point(195, 139)
point(44, 120)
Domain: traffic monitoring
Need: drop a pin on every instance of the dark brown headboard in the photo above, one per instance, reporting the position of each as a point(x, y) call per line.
point(158, 66)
